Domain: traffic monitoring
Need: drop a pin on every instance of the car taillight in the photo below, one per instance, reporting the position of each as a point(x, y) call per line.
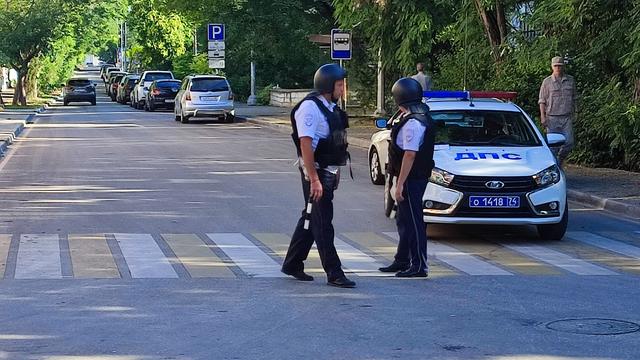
point(188, 97)
point(155, 92)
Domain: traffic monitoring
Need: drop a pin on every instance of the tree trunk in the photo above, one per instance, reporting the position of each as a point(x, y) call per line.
point(31, 84)
point(494, 25)
point(18, 95)
point(636, 92)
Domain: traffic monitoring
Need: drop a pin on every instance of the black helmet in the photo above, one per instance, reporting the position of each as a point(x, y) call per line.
point(326, 76)
point(407, 91)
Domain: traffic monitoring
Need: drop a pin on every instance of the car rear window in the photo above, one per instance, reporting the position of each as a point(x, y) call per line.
point(210, 84)
point(78, 82)
point(157, 76)
point(132, 82)
point(168, 84)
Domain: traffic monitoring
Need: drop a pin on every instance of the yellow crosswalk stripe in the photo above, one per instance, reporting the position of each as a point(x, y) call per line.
point(386, 248)
point(5, 242)
point(279, 243)
point(599, 256)
point(197, 256)
point(504, 257)
point(91, 257)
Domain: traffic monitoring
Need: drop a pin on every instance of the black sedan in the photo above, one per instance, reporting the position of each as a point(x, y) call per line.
point(162, 94)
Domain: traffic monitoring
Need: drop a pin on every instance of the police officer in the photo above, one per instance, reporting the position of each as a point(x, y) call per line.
point(557, 101)
point(410, 165)
point(319, 133)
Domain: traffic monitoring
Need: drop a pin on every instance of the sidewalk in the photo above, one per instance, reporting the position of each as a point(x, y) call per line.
point(612, 190)
point(11, 125)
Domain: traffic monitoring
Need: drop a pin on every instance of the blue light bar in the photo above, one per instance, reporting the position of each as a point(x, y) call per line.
point(444, 94)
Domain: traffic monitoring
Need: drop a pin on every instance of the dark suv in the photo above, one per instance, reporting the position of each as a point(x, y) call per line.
point(162, 94)
point(79, 90)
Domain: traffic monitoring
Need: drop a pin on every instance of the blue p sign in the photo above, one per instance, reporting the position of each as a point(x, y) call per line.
point(216, 32)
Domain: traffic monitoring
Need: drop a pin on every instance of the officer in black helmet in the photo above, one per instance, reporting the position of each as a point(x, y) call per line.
point(319, 133)
point(410, 165)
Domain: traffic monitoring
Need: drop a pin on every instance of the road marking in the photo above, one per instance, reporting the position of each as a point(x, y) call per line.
point(508, 259)
point(357, 262)
point(278, 243)
point(560, 260)
point(5, 243)
point(197, 257)
point(39, 257)
point(246, 255)
point(605, 243)
point(144, 257)
point(91, 257)
point(386, 248)
point(459, 260)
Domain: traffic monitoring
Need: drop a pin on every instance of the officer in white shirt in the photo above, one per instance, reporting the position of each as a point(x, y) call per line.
point(319, 133)
point(410, 164)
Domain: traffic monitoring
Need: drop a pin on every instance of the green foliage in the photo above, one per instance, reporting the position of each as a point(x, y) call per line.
point(263, 96)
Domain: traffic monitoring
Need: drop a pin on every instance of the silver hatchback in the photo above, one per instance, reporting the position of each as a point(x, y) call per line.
point(204, 96)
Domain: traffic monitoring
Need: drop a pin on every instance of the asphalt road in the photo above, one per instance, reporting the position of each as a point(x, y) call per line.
point(128, 235)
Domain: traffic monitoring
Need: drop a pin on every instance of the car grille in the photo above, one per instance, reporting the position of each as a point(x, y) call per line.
point(476, 184)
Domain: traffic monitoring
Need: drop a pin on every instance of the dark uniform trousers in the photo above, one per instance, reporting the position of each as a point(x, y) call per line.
point(412, 247)
point(320, 230)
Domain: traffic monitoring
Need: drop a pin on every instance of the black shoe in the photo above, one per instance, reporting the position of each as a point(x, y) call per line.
point(394, 267)
point(342, 282)
point(411, 273)
point(299, 275)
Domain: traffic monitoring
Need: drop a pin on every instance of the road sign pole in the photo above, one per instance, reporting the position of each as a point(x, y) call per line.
point(252, 98)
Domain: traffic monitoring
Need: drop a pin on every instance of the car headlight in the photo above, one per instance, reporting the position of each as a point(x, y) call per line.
point(441, 177)
point(548, 176)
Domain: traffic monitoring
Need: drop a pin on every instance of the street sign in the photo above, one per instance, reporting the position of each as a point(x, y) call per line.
point(340, 44)
point(216, 32)
point(216, 54)
point(216, 45)
point(216, 63)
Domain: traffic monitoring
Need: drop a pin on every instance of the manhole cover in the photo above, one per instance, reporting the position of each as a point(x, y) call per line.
point(594, 326)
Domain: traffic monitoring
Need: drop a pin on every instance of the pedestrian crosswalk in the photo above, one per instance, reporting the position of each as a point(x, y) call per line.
point(260, 255)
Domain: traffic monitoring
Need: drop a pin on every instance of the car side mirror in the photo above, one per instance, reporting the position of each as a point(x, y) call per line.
point(381, 124)
point(556, 140)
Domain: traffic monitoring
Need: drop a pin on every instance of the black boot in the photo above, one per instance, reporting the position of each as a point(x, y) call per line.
point(394, 267)
point(342, 282)
point(299, 275)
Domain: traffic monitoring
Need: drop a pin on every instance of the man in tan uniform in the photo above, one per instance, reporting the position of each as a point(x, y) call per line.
point(557, 101)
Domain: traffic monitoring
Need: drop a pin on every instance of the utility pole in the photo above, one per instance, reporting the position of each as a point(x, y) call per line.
point(380, 98)
point(252, 100)
point(195, 42)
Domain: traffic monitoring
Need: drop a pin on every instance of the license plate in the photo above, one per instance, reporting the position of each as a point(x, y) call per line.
point(499, 202)
point(168, 101)
point(210, 98)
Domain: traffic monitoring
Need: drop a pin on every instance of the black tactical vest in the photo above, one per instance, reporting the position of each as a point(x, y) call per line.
point(423, 163)
point(331, 151)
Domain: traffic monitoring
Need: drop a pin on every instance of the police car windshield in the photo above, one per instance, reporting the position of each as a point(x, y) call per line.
point(483, 128)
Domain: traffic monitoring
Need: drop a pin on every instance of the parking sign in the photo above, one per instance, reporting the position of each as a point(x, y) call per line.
point(216, 32)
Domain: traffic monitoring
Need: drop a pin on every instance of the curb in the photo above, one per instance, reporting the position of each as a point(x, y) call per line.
point(360, 143)
point(4, 144)
point(613, 206)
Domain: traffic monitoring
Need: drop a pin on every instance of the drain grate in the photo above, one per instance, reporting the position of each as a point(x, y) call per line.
point(594, 326)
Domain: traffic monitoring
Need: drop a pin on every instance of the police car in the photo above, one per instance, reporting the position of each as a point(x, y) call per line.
point(492, 165)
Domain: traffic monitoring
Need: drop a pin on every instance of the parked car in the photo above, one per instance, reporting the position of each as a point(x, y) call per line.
point(79, 90)
point(110, 76)
point(162, 94)
point(204, 96)
point(103, 70)
point(114, 83)
point(492, 166)
point(124, 90)
point(105, 76)
point(139, 94)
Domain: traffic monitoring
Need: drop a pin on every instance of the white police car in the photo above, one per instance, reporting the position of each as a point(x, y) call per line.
point(492, 165)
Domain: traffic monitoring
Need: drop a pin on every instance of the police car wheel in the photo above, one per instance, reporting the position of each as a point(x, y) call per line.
point(554, 231)
point(375, 169)
point(388, 200)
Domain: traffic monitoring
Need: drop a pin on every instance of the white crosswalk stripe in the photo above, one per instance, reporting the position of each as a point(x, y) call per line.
point(459, 260)
point(558, 259)
point(605, 243)
point(39, 257)
point(144, 257)
point(246, 255)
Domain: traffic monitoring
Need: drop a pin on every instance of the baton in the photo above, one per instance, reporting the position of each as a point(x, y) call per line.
point(307, 214)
